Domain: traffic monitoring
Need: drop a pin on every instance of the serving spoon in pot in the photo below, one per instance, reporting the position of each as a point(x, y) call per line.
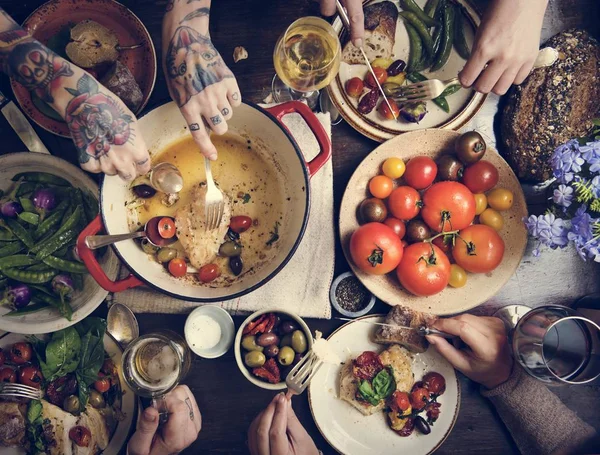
point(150, 231)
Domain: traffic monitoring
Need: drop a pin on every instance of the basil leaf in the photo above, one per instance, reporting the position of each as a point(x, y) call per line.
point(91, 357)
point(366, 392)
point(83, 392)
point(384, 383)
point(35, 429)
point(62, 354)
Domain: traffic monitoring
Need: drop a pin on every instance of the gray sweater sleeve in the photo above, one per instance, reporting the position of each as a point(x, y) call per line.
point(537, 420)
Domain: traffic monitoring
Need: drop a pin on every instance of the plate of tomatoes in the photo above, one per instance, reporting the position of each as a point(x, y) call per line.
point(432, 220)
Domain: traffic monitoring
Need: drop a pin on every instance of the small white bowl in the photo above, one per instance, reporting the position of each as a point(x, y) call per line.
point(237, 347)
point(224, 320)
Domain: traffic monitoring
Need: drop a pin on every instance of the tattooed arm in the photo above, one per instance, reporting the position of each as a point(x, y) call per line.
point(103, 129)
point(199, 81)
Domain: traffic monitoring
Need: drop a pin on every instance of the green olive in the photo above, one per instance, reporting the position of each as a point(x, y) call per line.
point(286, 356)
point(71, 404)
point(255, 359)
point(249, 343)
point(299, 342)
point(286, 340)
point(230, 249)
point(148, 247)
point(96, 399)
point(166, 254)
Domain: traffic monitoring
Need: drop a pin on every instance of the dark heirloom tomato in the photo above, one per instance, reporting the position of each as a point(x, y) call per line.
point(20, 353)
point(375, 248)
point(424, 269)
point(419, 398)
point(397, 226)
point(399, 401)
point(448, 206)
point(480, 177)
point(478, 249)
point(417, 231)
point(404, 203)
point(470, 147)
point(367, 365)
point(7, 374)
point(435, 383)
point(80, 435)
point(420, 172)
point(31, 376)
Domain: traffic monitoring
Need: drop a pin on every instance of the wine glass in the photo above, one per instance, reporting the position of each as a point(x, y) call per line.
point(307, 58)
point(554, 343)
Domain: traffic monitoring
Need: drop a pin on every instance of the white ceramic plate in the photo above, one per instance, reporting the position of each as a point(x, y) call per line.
point(84, 302)
point(351, 433)
point(464, 104)
point(129, 404)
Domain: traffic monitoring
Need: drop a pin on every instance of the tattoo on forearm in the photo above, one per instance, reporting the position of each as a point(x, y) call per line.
point(200, 12)
point(193, 63)
point(96, 120)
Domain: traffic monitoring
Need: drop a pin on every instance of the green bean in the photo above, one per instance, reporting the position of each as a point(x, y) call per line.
point(27, 204)
point(41, 267)
point(447, 38)
point(68, 225)
point(11, 248)
point(439, 101)
point(40, 177)
point(460, 41)
point(78, 201)
point(26, 188)
point(51, 221)
point(20, 232)
point(431, 8)
point(63, 307)
point(26, 276)
point(411, 6)
point(17, 260)
point(90, 205)
point(56, 243)
point(421, 29)
point(451, 90)
point(6, 235)
point(64, 265)
point(30, 218)
point(77, 281)
point(31, 308)
point(416, 47)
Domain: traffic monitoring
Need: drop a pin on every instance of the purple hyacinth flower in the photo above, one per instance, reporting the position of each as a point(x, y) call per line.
point(563, 196)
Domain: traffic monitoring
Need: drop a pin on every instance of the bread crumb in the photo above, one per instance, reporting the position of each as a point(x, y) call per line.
point(239, 53)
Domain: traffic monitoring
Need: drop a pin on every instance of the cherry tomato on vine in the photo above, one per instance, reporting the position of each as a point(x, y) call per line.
point(393, 168)
point(397, 226)
point(404, 203)
point(209, 272)
point(20, 353)
point(354, 87)
point(80, 435)
point(478, 249)
point(435, 383)
point(424, 269)
point(381, 77)
point(444, 243)
point(177, 267)
point(420, 172)
point(102, 385)
point(400, 401)
point(419, 398)
point(480, 177)
point(381, 186)
point(375, 248)
point(166, 227)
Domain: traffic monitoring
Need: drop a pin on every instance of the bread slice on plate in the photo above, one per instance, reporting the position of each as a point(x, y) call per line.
point(380, 34)
point(349, 388)
point(410, 339)
point(401, 362)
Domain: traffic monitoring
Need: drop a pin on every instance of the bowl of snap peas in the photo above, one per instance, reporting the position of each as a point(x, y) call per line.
point(45, 202)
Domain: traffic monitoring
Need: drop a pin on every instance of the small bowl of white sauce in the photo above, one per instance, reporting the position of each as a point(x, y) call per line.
point(209, 331)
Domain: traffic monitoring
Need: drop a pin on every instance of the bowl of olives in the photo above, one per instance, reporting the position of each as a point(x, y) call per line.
point(268, 345)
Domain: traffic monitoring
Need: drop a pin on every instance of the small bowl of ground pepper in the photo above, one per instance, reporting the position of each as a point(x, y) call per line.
point(350, 297)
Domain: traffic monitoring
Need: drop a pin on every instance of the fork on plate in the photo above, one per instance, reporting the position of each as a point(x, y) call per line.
point(300, 376)
point(214, 203)
point(10, 390)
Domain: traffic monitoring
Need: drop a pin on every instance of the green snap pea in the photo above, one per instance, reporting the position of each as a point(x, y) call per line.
point(6, 235)
point(68, 226)
point(41, 289)
point(431, 8)
point(41, 267)
point(17, 260)
point(451, 90)
point(64, 265)
point(11, 248)
point(411, 6)
point(460, 41)
point(25, 276)
point(26, 188)
point(27, 204)
point(447, 38)
point(63, 307)
point(90, 205)
point(56, 243)
point(30, 218)
point(421, 29)
point(416, 48)
point(31, 308)
point(20, 232)
point(51, 221)
point(439, 101)
point(78, 201)
point(41, 177)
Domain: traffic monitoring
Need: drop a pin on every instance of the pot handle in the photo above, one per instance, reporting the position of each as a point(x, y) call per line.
point(315, 126)
point(88, 258)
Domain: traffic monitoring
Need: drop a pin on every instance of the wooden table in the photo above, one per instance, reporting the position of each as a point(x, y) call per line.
point(229, 402)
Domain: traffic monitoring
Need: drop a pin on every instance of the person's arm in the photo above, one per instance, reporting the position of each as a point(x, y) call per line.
point(537, 420)
point(103, 129)
point(199, 81)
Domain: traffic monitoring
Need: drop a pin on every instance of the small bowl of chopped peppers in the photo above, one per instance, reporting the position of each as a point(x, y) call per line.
point(350, 297)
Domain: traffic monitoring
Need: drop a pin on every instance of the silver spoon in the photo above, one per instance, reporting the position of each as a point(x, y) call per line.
point(122, 324)
point(166, 177)
point(150, 231)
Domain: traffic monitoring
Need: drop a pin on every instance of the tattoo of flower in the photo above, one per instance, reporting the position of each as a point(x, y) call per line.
point(200, 12)
point(193, 63)
point(96, 120)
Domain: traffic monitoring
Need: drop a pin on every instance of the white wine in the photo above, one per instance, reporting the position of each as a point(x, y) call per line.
point(307, 57)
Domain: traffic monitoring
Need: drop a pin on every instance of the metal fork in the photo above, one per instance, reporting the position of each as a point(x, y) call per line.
point(8, 389)
point(214, 203)
point(428, 90)
point(299, 377)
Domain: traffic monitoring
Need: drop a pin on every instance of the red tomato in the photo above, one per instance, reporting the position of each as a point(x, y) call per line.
point(400, 401)
point(435, 383)
point(420, 172)
point(404, 203)
point(166, 227)
point(20, 353)
point(102, 385)
point(419, 398)
point(397, 226)
point(381, 186)
point(177, 267)
point(385, 112)
point(240, 223)
point(7, 374)
point(478, 249)
point(375, 248)
point(81, 436)
point(444, 244)
point(424, 269)
point(480, 177)
point(354, 87)
point(448, 206)
point(209, 272)
point(31, 376)
point(381, 77)
point(2, 357)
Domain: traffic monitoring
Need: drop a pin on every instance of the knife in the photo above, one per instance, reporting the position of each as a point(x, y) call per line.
point(422, 330)
point(346, 22)
point(21, 125)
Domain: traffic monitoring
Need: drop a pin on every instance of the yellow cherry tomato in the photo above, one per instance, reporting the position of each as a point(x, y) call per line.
point(480, 203)
point(393, 168)
point(500, 199)
point(382, 63)
point(398, 79)
point(491, 218)
point(458, 276)
point(381, 186)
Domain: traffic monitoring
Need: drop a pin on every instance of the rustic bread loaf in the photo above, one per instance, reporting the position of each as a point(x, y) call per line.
point(380, 34)
point(553, 105)
point(393, 333)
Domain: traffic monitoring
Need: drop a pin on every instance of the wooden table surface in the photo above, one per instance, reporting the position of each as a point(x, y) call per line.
point(228, 402)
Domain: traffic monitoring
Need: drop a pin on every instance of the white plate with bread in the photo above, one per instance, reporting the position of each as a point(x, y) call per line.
point(386, 37)
point(356, 427)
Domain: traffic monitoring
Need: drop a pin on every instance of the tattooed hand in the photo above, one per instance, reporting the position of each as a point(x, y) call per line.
point(199, 82)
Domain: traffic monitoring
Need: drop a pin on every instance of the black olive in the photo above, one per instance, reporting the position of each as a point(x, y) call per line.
point(417, 231)
point(449, 168)
point(470, 147)
point(232, 235)
point(144, 191)
point(236, 265)
point(422, 425)
point(372, 210)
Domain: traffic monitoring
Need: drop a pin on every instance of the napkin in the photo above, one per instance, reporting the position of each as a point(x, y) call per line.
point(302, 287)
